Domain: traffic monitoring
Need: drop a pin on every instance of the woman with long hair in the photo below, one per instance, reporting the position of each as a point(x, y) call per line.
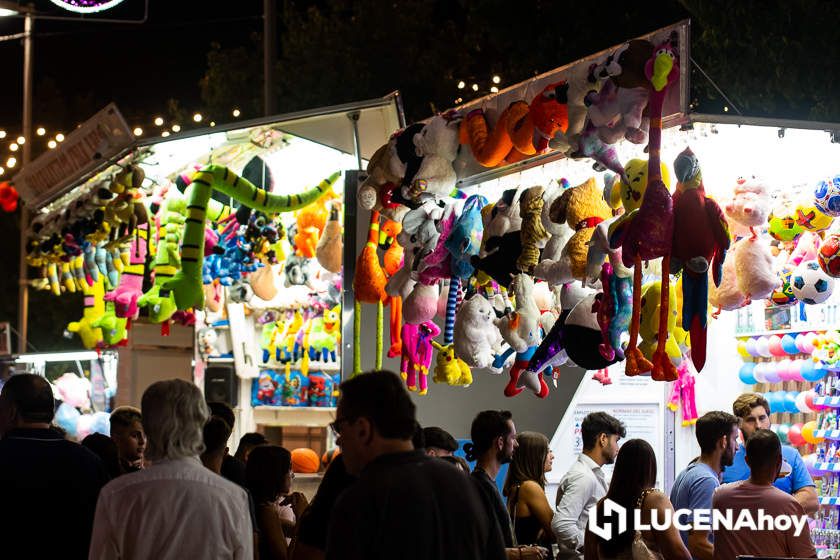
point(525, 490)
point(269, 475)
point(632, 487)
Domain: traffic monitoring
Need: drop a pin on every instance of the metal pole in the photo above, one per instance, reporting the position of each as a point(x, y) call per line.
point(269, 51)
point(23, 286)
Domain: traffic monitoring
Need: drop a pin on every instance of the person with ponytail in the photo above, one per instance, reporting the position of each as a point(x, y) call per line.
point(632, 488)
point(493, 445)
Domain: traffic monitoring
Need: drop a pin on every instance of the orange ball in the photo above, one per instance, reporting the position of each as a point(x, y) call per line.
point(305, 460)
point(328, 456)
point(808, 430)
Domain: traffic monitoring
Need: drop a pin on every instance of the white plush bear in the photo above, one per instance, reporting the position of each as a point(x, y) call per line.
point(477, 339)
point(522, 329)
point(437, 143)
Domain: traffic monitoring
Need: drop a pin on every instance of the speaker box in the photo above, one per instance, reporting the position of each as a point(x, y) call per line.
point(221, 384)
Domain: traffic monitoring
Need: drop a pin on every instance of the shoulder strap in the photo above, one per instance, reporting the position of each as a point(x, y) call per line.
point(514, 501)
point(642, 497)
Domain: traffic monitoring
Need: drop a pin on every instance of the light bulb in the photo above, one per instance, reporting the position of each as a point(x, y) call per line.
point(21, 140)
point(461, 84)
point(11, 162)
point(496, 79)
point(52, 144)
point(494, 89)
point(475, 87)
point(13, 147)
point(176, 128)
point(165, 133)
point(2, 134)
point(41, 131)
point(59, 137)
point(197, 117)
point(236, 112)
point(158, 121)
point(137, 131)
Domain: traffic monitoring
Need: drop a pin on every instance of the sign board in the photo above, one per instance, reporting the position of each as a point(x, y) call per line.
point(99, 139)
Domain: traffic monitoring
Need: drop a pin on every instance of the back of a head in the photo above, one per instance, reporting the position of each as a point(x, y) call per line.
point(267, 466)
point(440, 438)
point(174, 414)
point(596, 423)
point(105, 448)
point(457, 461)
point(711, 427)
point(486, 427)
point(764, 451)
point(381, 397)
point(528, 461)
point(247, 442)
point(634, 472)
point(124, 416)
point(223, 411)
point(31, 397)
point(216, 433)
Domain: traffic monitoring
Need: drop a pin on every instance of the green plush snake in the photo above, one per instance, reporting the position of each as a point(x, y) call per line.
point(186, 285)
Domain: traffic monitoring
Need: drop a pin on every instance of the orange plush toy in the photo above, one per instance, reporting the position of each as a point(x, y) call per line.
point(310, 224)
point(393, 260)
point(522, 129)
point(368, 287)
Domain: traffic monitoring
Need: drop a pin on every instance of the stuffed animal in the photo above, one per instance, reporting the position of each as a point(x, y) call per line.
point(437, 143)
point(521, 330)
point(522, 129)
point(649, 322)
point(266, 388)
point(727, 296)
point(465, 239)
point(559, 233)
point(477, 339)
point(113, 327)
point(73, 390)
point(377, 190)
point(582, 208)
point(207, 339)
point(94, 308)
point(417, 354)
point(393, 261)
point(581, 335)
point(590, 145)
point(369, 287)
point(331, 244)
point(533, 235)
point(683, 396)
point(750, 206)
point(130, 288)
point(449, 368)
point(701, 239)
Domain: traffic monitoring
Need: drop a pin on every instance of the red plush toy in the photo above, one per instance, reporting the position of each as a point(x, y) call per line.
point(8, 197)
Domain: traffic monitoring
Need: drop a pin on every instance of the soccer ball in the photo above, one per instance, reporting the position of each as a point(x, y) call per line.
point(784, 294)
point(810, 284)
point(811, 218)
point(827, 196)
point(829, 255)
point(782, 223)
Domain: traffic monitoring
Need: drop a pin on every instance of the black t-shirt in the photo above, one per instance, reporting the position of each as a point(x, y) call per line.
point(494, 507)
point(48, 488)
point(234, 470)
point(414, 507)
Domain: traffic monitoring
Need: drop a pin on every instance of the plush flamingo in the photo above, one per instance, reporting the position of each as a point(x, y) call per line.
point(393, 259)
point(368, 287)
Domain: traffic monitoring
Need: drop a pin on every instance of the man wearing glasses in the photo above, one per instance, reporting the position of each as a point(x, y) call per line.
point(400, 491)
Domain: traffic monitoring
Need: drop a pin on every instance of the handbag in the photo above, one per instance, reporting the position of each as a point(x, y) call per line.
point(639, 549)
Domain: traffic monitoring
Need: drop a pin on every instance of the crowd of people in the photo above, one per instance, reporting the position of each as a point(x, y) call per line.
point(164, 485)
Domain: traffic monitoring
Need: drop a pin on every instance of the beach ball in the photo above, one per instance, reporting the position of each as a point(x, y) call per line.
point(810, 284)
point(783, 431)
point(789, 345)
point(758, 372)
point(771, 372)
point(790, 402)
point(808, 430)
point(742, 349)
point(305, 460)
point(812, 218)
point(762, 346)
point(795, 434)
point(829, 255)
point(827, 196)
point(752, 350)
point(782, 223)
point(775, 345)
point(745, 374)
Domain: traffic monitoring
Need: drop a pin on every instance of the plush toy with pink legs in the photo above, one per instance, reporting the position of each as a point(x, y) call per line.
point(417, 353)
point(130, 288)
point(682, 395)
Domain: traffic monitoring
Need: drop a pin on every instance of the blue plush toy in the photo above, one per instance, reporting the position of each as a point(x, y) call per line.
point(464, 240)
point(267, 389)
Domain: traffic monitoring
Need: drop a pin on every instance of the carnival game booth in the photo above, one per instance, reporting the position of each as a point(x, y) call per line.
point(216, 255)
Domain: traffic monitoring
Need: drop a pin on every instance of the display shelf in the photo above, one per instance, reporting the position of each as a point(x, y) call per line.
point(313, 366)
point(827, 467)
point(294, 415)
point(833, 402)
point(220, 360)
point(833, 435)
point(830, 500)
point(309, 476)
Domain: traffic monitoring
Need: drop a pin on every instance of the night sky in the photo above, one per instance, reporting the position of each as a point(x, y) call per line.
point(137, 66)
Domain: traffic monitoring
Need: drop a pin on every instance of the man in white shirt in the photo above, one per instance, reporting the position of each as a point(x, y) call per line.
point(585, 484)
point(176, 508)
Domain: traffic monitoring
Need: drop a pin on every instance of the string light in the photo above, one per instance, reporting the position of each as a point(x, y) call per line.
point(496, 79)
point(212, 123)
point(11, 162)
point(197, 117)
point(475, 87)
point(59, 137)
point(52, 144)
point(21, 140)
point(13, 147)
point(41, 131)
point(158, 121)
point(165, 133)
point(461, 84)
point(236, 112)
point(176, 128)
point(2, 170)
point(2, 134)
point(137, 131)
point(494, 89)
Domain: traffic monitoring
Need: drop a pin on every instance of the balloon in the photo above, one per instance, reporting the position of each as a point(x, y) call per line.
point(800, 341)
point(746, 374)
point(802, 403)
point(785, 370)
point(775, 345)
point(66, 417)
point(101, 423)
point(789, 345)
point(751, 348)
point(811, 464)
point(771, 372)
point(758, 372)
point(812, 371)
point(808, 432)
point(784, 429)
point(772, 398)
point(795, 434)
point(808, 344)
point(742, 349)
point(809, 400)
point(84, 426)
point(790, 402)
point(762, 346)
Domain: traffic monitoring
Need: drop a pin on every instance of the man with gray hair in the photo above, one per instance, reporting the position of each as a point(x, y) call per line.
point(176, 508)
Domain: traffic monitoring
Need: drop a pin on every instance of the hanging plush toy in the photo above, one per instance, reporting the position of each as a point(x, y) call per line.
point(369, 287)
point(377, 190)
point(701, 239)
point(559, 233)
point(532, 235)
point(521, 131)
point(649, 318)
point(682, 395)
point(437, 144)
point(449, 368)
point(477, 339)
point(94, 309)
point(521, 330)
point(393, 260)
point(331, 244)
point(113, 327)
point(130, 288)
point(417, 355)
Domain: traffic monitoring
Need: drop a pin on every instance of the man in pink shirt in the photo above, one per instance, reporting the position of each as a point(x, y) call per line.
point(764, 457)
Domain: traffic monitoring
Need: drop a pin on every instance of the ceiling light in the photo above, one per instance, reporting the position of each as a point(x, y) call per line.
point(21, 140)
point(496, 79)
point(475, 87)
point(14, 147)
point(11, 162)
point(461, 84)
point(165, 133)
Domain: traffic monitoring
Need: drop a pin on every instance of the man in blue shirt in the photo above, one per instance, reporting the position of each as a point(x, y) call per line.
point(717, 434)
point(753, 411)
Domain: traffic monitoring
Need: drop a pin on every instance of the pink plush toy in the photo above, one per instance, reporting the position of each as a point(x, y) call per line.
point(682, 392)
point(130, 288)
point(417, 354)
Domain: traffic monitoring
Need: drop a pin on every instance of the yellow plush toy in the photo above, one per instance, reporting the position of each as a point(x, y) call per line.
point(582, 208)
point(450, 369)
point(649, 322)
point(94, 309)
